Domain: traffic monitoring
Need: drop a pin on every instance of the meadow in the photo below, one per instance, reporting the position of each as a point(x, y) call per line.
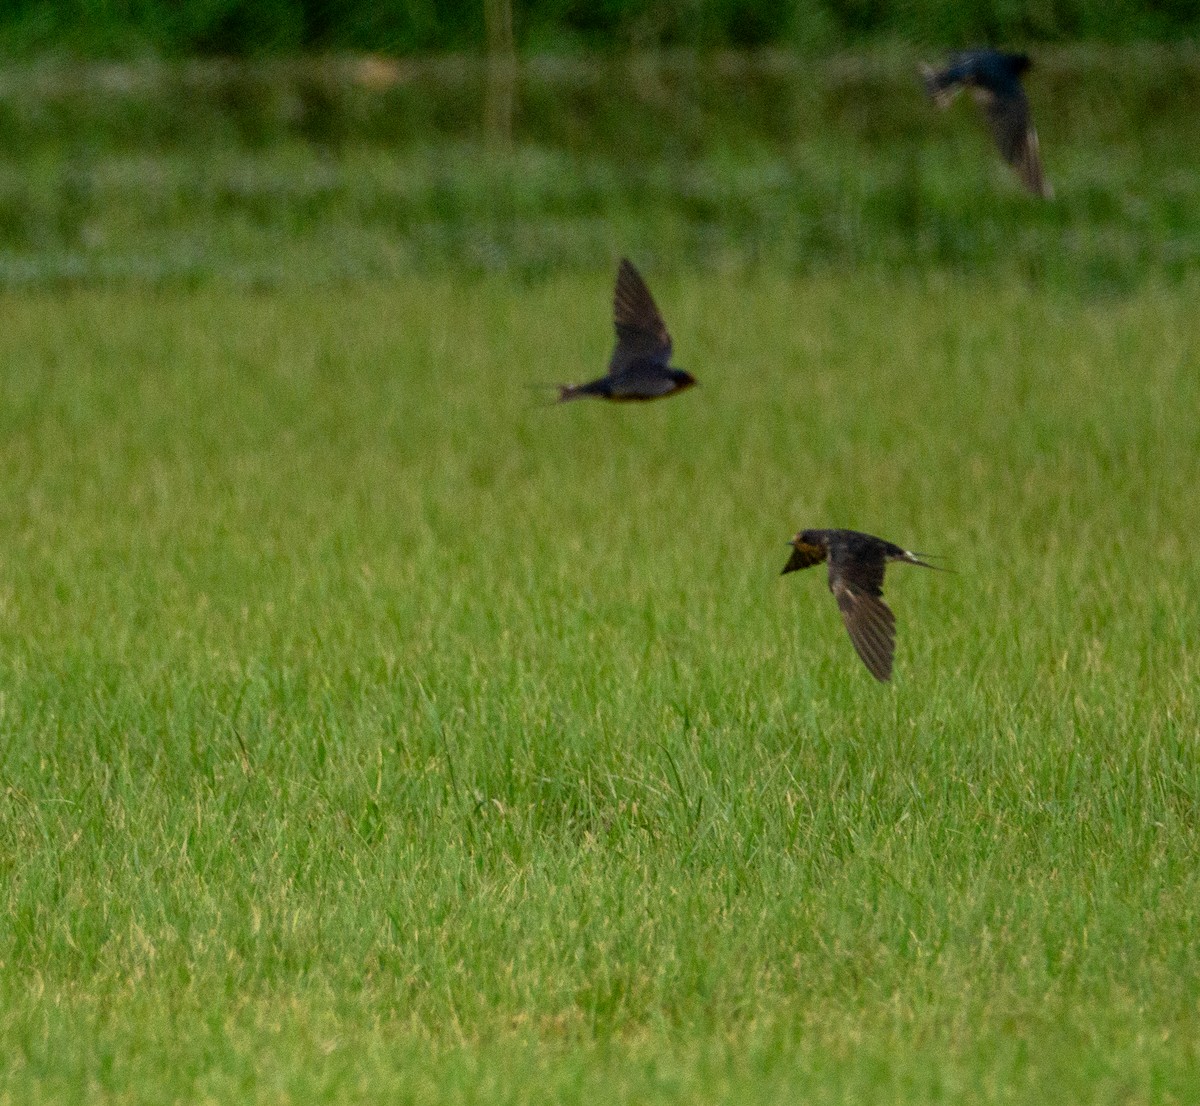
point(348, 170)
point(371, 731)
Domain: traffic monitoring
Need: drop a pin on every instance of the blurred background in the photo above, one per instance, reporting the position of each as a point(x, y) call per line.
point(270, 142)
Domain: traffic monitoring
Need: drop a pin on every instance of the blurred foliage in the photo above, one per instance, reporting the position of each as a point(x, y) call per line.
point(106, 28)
point(342, 169)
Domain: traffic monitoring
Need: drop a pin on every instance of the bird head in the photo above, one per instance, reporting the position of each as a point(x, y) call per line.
point(682, 378)
point(1020, 62)
point(809, 548)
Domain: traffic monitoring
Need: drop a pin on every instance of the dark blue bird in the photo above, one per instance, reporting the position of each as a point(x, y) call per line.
point(639, 368)
point(857, 563)
point(994, 79)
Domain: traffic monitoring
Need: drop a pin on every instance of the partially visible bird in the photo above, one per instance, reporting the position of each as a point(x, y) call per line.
point(640, 364)
point(994, 79)
point(856, 566)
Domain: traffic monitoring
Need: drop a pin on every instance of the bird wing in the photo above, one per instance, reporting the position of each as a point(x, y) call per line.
point(804, 556)
point(857, 585)
point(862, 572)
point(871, 626)
point(1012, 128)
point(641, 332)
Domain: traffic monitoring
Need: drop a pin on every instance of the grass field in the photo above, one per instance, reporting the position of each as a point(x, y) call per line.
point(342, 170)
point(369, 732)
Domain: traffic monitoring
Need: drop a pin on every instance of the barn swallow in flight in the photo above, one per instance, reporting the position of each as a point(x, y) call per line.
point(994, 79)
point(640, 364)
point(856, 566)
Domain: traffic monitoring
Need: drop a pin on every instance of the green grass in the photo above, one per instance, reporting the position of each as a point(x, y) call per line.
point(322, 172)
point(371, 733)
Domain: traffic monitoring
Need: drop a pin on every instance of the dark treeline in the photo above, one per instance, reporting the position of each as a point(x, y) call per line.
point(264, 27)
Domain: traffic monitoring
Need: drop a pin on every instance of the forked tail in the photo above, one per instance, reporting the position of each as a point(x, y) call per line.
point(939, 90)
point(915, 559)
point(563, 392)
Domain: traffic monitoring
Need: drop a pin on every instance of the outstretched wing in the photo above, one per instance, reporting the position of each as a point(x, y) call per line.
point(857, 585)
point(641, 332)
point(1016, 139)
point(872, 628)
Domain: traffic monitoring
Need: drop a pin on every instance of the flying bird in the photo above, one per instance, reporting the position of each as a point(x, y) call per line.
point(640, 364)
point(856, 566)
point(994, 79)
